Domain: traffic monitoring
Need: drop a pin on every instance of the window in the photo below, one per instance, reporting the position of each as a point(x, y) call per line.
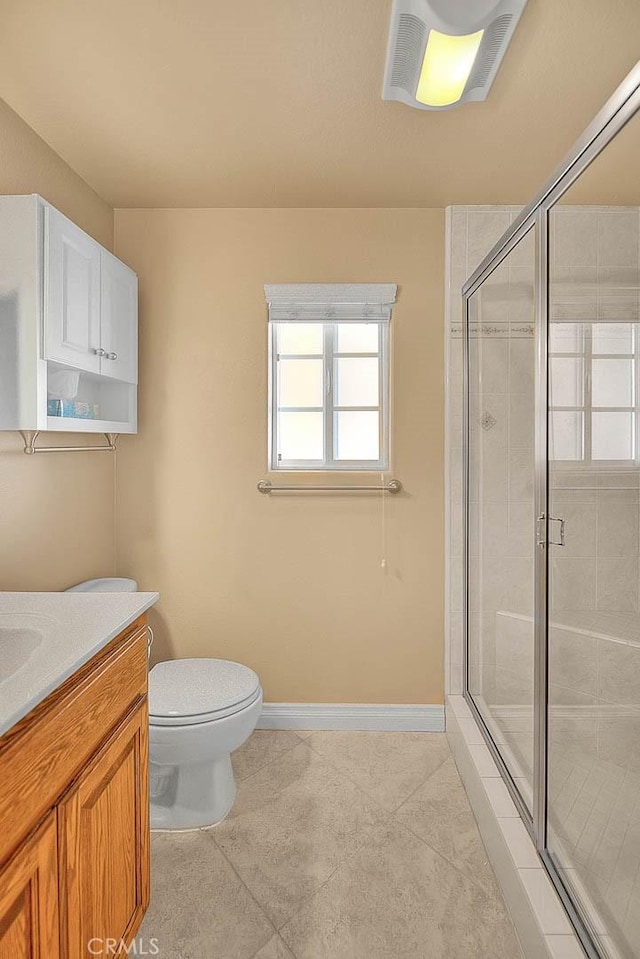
point(593, 378)
point(329, 378)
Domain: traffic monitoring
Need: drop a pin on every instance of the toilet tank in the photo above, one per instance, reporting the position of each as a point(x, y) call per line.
point(109, 584)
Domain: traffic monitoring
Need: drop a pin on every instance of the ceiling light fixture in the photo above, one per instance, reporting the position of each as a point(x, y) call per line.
point(445, 52)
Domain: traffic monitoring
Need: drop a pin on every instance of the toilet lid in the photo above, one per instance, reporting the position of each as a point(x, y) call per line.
point(199, 687)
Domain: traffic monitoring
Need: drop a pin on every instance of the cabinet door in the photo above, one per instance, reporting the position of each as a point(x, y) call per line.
point(72, 294)
point(29, 898)
point(104, 843)
point(119, 320)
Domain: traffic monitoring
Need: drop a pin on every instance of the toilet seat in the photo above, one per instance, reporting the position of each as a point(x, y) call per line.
point(184, 692)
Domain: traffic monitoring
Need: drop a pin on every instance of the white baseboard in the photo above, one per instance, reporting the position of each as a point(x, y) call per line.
point(387, 718)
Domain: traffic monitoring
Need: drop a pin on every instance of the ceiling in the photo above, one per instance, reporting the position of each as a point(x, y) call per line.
point(276, 103)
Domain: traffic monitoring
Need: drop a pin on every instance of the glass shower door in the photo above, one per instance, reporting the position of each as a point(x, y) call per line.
point(501, 511)
point(552, 522)
point(593, 717)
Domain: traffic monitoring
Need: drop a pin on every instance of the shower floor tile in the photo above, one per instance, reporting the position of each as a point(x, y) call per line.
point(341, 845)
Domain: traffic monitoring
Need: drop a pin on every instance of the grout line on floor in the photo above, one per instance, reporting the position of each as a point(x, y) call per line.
point(342, 863)
point(422, 839)
point(363, 829)
point(276, 936)
point(386, 815)
point(453, 865)
point(411, 794)
point(362, 788)
point(275, 759)
point(243, 883)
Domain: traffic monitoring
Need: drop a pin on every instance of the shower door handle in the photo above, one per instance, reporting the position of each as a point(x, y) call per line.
point(541, 540)
point(560, 541)
point(540, 531)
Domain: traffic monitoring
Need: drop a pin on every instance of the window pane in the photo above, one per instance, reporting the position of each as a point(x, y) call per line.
point(356, 381)
point(300, 436)
point(565, 436)
point(357, 338)
point(612, 383)
point(612, 337)
point(565, 338)
point(300, 338)
point(356, 436)
point(300, 382)
point(565, 381)
point(612, 436)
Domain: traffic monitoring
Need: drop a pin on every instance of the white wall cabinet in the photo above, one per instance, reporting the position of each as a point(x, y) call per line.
point(118, 319)
point(71, 293)
point(68, 325)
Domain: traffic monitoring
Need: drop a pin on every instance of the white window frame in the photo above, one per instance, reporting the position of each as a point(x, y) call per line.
point(331, 305)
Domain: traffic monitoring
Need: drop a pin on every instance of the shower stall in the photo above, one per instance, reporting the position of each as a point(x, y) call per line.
point(550, 521)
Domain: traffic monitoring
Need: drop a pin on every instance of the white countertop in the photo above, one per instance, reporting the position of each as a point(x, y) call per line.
point(46, 637)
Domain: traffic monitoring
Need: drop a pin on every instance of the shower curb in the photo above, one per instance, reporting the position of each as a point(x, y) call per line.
point(539, 918)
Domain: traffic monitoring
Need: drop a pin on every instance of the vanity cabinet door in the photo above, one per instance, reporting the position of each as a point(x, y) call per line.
point(29, 898)
point(71, 294)
point(104, 843)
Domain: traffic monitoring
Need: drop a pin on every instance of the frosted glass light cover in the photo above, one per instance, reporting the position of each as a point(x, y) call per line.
point(357, 381)
point(300, 383)
point(446, 67)
point(300, 436)
point(358, 338)
point(296, 338)
point(356, 435)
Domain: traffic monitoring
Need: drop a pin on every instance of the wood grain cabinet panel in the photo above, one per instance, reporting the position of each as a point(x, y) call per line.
point(29, 898)
point(104, 843)
point(39, 760)
point(74, 812)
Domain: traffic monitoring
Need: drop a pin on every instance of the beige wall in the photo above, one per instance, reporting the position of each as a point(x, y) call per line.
point(291, 585)
point(56, 511)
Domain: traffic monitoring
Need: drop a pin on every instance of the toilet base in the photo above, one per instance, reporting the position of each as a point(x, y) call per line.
point(191, 781)
point(192, 796)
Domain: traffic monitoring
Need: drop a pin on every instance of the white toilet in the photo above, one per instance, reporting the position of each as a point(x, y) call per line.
point(200, 711)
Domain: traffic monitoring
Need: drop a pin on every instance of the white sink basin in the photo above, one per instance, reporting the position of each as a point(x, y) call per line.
point(21, 635)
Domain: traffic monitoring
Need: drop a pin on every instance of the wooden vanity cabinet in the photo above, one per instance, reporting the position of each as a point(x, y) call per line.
point(29, 927)
point(74, 812)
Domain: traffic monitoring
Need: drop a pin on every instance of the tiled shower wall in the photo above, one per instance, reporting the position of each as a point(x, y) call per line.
point(594, 251)
point(594, 273)
point(471, 232)
point(595, 577)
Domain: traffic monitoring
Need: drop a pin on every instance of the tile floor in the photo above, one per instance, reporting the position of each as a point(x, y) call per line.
point(341, 845)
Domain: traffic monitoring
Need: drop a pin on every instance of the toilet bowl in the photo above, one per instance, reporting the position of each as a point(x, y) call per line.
point(200, 711)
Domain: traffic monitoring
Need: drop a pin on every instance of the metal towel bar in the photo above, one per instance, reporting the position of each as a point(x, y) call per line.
point(30, 437)
point(393, 486)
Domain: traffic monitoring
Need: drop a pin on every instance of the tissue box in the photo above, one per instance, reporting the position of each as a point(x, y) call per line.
point(78, 409)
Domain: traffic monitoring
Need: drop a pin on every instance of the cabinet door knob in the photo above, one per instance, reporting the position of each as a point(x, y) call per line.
point(112, 356)
point(100, 352)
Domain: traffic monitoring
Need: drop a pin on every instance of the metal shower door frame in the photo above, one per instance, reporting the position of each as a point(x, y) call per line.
point(616, 113)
